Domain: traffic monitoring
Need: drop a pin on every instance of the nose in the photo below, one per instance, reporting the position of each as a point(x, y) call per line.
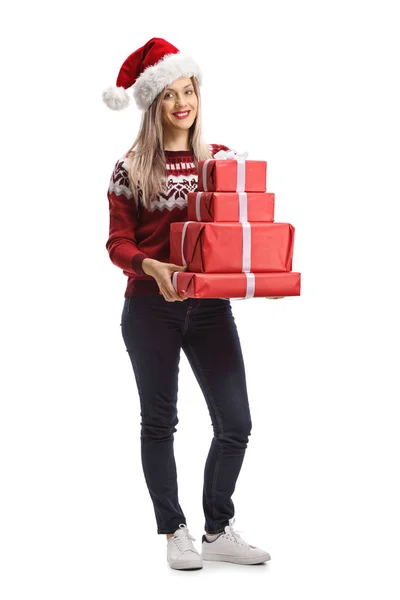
point(180, 101)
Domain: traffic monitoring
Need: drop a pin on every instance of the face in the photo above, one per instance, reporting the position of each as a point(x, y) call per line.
point(179, 97)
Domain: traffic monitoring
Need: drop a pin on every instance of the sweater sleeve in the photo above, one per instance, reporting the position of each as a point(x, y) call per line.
point(121, 244)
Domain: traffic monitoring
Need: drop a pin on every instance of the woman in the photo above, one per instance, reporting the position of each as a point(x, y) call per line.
point(147, 192)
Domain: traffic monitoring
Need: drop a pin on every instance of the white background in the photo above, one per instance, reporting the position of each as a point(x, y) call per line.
point(311, 88)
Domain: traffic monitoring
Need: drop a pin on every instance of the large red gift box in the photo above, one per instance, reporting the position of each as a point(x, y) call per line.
point(232, 247)
point(230, 206)
point(236, 285)
point(232, 175)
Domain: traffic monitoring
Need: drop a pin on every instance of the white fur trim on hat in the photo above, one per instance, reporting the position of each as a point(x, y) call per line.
point(155, 78)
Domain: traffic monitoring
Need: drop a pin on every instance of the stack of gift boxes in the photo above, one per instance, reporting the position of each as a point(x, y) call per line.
point(230, 243)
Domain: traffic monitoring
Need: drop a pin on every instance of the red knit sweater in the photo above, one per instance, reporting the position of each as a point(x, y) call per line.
point(136, 233)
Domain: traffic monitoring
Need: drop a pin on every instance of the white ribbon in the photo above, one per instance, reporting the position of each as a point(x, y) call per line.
point(250, 286)
point(229, 155)
point(243, 206)
point(185, 226)
point(198, 215)
point(205, 174)
point(175, 280)
point(246, 257)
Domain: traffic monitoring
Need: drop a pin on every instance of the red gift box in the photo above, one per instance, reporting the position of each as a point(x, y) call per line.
point(232, 175)
point(236, 285)
point(232, 247)
point(230, 206)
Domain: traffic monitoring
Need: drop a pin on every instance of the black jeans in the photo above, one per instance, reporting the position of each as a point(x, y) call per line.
point(154, 331)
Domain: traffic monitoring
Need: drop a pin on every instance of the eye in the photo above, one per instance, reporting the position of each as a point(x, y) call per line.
point(169, 93)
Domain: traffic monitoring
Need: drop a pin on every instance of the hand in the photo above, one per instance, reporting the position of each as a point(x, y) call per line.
point(274, 297)
point(162, 273)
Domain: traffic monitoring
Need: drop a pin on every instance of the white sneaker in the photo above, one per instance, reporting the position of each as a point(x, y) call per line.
point(230, 547)
point(181, 554)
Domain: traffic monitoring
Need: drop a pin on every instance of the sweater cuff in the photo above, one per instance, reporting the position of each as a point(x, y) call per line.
point(137, 263)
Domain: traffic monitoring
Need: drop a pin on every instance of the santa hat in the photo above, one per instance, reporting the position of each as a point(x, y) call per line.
point(148, 71)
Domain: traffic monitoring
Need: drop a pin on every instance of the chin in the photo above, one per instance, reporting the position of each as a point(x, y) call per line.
point(184, 125)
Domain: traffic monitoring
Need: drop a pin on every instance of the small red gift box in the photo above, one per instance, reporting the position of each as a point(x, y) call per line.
point(232, 175)
point(230, 206)
point(236, 285)
point(232, 247)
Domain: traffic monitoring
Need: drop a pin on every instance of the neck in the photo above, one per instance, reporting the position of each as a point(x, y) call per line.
point(176, 140)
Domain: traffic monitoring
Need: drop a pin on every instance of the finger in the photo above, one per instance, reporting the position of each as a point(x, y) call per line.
point(170, 294)
point(167, 295)
point(172, 291)
point(165, 288)
point(164, 294)
point(174, 295)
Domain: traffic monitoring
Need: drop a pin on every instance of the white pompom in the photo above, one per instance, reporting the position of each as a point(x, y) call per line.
point(115, 97)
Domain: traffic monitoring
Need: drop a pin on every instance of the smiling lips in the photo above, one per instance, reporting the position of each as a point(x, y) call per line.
point(181, 115)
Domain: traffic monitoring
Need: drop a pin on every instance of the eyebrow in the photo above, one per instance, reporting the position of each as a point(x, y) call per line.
point(172, 89)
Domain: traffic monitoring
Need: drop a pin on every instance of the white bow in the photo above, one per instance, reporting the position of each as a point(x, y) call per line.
point(230, 155)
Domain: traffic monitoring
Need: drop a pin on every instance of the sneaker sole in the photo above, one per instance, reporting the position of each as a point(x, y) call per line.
point(189, 564)
point(237, 560)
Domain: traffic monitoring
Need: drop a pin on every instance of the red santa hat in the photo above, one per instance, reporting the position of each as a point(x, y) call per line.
point(148, 71)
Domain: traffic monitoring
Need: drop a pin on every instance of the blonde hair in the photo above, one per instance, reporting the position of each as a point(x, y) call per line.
point(146, 159)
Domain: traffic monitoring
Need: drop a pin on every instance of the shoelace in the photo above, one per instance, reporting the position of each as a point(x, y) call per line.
point(183, 538)
point(235, 534)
